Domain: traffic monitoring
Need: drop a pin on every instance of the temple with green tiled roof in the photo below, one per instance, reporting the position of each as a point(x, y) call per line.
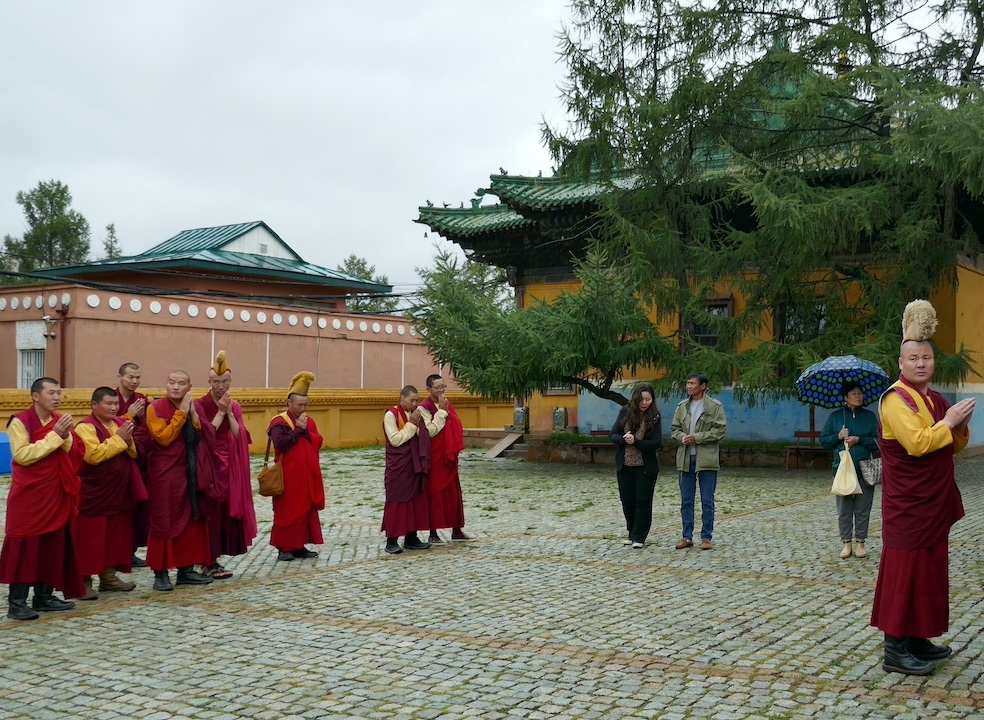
point(243, 259)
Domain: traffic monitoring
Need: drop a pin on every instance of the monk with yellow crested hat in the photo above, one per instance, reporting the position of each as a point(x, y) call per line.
point(296, 443)
point(231, 517)
point(919, 433)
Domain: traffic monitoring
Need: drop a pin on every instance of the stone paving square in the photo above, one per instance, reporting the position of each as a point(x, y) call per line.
point(546, 615)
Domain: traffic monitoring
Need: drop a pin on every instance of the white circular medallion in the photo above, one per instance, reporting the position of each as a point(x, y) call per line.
point(210, 312)
point(155, 307)
point(66, 299)
point(277, 318)
point(375, 327)
point(292, 319)
point(244, 315)
point(174, 309)
point(39, 302)
point(349, 325)
point(308, 322)
point(363, 326)
point(27, 303)
point(400, 330)
point(228, 314)
point(389, 329)
point(337, 324)
point(115, 302)
point(3, 303)
point(322, 323)
point(413, 331)
point(261, 317)
point(193, 310)
point(135, 305)
point(52, 300)
point(92, 301)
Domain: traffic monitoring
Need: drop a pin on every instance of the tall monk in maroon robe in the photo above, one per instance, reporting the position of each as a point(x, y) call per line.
point(133, 406)
point(111, 488)
point(179, 475)
point(919, 432)
point(445, 504)
point(297, 444)
point(407, 467)
point(231, 517)
point(39, 544)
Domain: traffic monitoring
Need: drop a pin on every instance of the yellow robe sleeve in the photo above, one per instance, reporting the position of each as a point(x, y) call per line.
point(397, 437)
point(435, 423)
point(99, 452)
point(27, 453)
point(916, 432)
point(165, 432)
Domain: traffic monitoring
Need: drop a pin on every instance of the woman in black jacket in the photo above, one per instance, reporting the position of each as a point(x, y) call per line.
point(637, 435)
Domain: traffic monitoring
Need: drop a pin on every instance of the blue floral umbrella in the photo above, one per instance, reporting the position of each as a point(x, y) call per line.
point(821, 383)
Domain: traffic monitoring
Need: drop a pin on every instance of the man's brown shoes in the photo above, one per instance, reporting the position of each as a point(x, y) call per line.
point(684, 543)
point(706, 545)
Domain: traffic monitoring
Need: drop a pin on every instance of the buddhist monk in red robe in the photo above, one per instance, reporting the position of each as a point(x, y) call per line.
point(178, 530)
point(918, 436)
point(111, 487)
point(444, 502)
point(39, 546)
point(296, 444)
point(232, 518)
point(407, 466)
point(132, 406)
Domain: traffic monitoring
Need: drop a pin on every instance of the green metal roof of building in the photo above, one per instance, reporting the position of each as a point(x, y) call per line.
point(200, 249)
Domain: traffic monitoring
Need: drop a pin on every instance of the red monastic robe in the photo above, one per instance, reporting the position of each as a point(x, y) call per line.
point(110, 492)
point(445, 504)
point(144, 444)
point(41, 507)
point(920, 503)
point(405, 480)
point(232, 520)
point(177, 539)
point(295, 512)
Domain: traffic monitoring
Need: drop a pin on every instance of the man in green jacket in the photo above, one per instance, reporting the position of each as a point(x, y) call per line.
point(699, 426)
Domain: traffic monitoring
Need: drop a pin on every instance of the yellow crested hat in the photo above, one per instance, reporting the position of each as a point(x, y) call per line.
point(220, 367)
point(918, 321)
point(300, 383)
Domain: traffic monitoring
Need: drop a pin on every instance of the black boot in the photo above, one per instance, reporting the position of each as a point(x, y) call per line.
point(899, 659)
point(17, 608)
point(162, 581)
point(412, 542)
point(188, 576)
point(44, 601)
point(923, 649)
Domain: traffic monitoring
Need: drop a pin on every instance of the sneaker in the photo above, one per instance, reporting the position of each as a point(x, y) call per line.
point(304, 554)
point(627, 541)
point(285, 556)
point(188, 576)
point(638, 545)
point(436, 539)
point(461, 536)
point(393, 548)
point(415, 543)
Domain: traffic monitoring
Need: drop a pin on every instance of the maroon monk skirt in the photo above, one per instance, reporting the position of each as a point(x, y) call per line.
point(104, 541)
point(226, 534)
point(912, 597)
point(296, 536)
point(400, 518)
point(191, 547)
point(446, 507)
point(48, 559)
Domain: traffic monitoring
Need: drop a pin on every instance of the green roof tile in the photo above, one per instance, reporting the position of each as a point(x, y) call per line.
point(471, 222)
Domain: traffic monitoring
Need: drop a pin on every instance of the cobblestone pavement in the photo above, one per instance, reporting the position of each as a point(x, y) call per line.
point(547, 615)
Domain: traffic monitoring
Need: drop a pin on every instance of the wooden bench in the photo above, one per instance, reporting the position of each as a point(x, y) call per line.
point(800, 453)
point(596, 445)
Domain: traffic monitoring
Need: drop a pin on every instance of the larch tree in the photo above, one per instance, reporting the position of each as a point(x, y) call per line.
point(359, 267)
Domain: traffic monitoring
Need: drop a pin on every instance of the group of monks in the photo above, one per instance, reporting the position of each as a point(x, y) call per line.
point(173, 475)
point(170, 474)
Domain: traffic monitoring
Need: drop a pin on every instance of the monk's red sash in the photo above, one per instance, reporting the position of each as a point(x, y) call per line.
point(407, 465)
point(113, 486)
point(444, 449)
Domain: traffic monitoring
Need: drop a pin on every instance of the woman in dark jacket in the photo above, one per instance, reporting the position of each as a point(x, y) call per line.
point(859, 429)
point(637, 435)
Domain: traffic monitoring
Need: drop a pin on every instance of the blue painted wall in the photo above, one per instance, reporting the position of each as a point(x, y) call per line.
point(769, 421)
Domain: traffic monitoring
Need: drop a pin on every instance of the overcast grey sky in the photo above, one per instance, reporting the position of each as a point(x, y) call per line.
point(330, 121)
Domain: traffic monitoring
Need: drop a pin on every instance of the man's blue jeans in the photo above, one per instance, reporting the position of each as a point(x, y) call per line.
point(707, 479)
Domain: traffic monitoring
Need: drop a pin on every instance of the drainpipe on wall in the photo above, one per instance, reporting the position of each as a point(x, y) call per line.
point(62, 313)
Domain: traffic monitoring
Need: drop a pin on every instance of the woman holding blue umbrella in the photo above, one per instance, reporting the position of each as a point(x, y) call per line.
point(857, 427)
